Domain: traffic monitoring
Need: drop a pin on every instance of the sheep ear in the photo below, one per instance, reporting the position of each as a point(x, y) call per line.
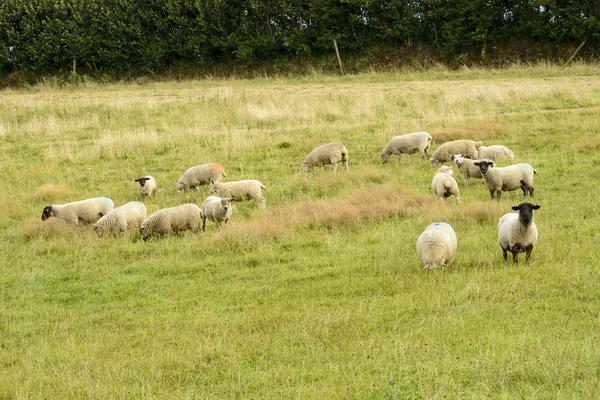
point(212, 181)
point(536, 207)
point(515, 208)
point(476, 163)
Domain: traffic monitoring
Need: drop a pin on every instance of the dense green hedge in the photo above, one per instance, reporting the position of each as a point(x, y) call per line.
point(117, 35)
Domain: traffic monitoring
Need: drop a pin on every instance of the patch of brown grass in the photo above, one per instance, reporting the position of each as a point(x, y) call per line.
point(51, 192)
point(52, 227)
point(477, 132)
point(588, 145)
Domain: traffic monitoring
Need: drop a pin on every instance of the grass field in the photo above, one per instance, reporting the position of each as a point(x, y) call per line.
point(321, 294)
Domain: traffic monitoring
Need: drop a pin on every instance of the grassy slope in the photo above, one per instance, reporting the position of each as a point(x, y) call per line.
point(321, 294)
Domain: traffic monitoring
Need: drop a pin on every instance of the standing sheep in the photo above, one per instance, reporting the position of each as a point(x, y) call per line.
point(517, 232)
point(84, 211)
point(147, 186)
point(495, 152)
point(466, 147)
point(330, 153)
point(407, 144)
point(436, 245)
point(200, 175)
point(128, 216)
point(249, 189)
point(467, 167)
point(513, 177)
point(217, 210)
point(174, 219)
point(444, 185)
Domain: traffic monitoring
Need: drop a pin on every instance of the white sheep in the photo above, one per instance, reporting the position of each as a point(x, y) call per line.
point(84, 211)
point(173, 219)
point(407, 144)
point(495, 152)
point(513, 177)
point(467, 167)
point(200, 175)
point(466, 147)
point(444, 185)
point(517, 232)
point(330, 153)
point(128, 216)
point(217, 210)
point(147, 186)
point(248, 189)
point(436, 245)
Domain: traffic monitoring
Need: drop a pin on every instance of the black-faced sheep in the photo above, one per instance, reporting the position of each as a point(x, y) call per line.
point(146, 186)
point(513, 177)
point(517, 232)
point(84, 211)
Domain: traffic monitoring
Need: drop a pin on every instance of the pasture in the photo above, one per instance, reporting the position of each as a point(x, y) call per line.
point(321, 294)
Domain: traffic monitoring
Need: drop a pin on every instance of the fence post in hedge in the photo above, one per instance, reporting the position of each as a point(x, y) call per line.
point(337, 53)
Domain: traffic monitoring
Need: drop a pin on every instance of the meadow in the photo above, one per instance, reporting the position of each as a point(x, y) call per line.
point(321, 294)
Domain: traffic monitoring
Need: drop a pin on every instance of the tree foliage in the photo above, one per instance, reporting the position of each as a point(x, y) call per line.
point(116, 35)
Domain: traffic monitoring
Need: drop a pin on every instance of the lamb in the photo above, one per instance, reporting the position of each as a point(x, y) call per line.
point(467, 167)
point(407, 144)
point(517, 233)
point(444, 185)
point(249, 189)
point(84, 211)
point(217, 210)
point(436, 245)
point(174, 219)
point(466, 147)
point(508, 178)
point(330, 153)
point(200, 175)
point(147, 186)
point(495, 152)
point(130, 215)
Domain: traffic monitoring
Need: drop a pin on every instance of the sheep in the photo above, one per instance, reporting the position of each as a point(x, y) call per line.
point(436, 245)
point(517, 232)
point(467, 167)
point(173, 219)
point(444, 185)
point(508, 178)
point(200, 175)
point(130, 215)
point(84, 211)
point(330, 153)
point(249, 189)
point(495, 152)
point(147, 186)
point(407, 144)
point(466, 147)
point(217, 210)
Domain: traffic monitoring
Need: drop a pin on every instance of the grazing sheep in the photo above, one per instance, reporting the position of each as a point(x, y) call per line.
point(513, 177)
point(330, 153)
point(200, 175)
point(147, 186)
point(436, 245)
point(249, 189)
point(444, 185)
point(495, 152)
point(517, 232)
point(217, 210)
point(128, 216)
point(466, 147)
point(407, 144)
point(467, 167)
point(84, 211)
point(174, 219)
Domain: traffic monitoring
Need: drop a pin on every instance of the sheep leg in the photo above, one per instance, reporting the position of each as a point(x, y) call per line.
point(203, 223)
point(528, 253)
point(334, 167)
point(498, 194)
point(504, 253)
point(492, 191)
point(515, 254)
point(399, 158)
point(531, 191)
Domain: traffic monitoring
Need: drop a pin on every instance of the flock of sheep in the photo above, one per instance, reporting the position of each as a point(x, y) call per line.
point(435, 246)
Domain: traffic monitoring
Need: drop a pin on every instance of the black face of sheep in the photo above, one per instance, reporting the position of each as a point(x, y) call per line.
point(484, 166)
point(142, 181)
point(526, 212)
point(47, 213)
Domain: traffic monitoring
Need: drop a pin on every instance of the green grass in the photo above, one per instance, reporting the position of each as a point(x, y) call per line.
point(321, 294)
